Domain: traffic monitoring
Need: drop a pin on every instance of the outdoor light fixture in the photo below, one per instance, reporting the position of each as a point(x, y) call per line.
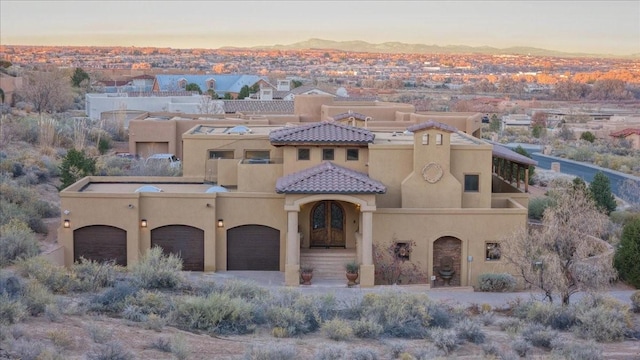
point(66, 223)
point(220, 223)
point(143, 223)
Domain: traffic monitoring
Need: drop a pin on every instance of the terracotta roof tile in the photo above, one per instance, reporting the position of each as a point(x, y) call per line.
point(432, 124)
point(327, 132)
point(328, 178)
point(625, 132)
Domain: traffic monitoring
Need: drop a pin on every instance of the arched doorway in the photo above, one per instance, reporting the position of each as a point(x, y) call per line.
point(327, 224)
point(447, 251)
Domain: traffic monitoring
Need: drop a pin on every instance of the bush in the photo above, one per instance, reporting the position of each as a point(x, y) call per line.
point(180, 347)
point(157, 271)
point(337, 329)
point(298, 313)
point(401, 315)
point(150, 302)
point(92, 275)
point(54, 277)
point(17, 240)
point(293, 321)
point(11, 310)
point(602, 318)
point(113, 299)
point(247, 290)
point(330, 352)
point(539, 335)
point(10, 285)
point(521, 346)
point(510, 325)
point(469, 330)
point(272, 351)
point(635, 301)
point(36, 297)
point(496, 282)
point(628, 253)
point(216, 313)
point(538, 205)
point(367, 329)
point(556, 316)
point(161, 344)
point(110, 351)
point(99, 334)
point(582, 351)
point(445, 340)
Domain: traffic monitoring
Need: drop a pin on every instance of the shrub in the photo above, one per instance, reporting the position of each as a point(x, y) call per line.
point(161, 344)
point(271, 351)
point(538, 205)
point(36, 297)
point(54, 277)
point(52, 312)
point(539, 335)
point(110, 351)
point(293, 321)
point(496, 282)
point(337, 329)
point(10, 285)
point(150, 302)
point(113, 299)
point(487, 318)
point(155, 322)
point(362, 354)
point(602, 324)
point(635, 301)
point(17, 240)
point(27, 349)
point(367, 329)
point(330, 352)
point(299, 313)
point(440, 316)
point(628, 253)
point(556, 316)
point(579, 351)
point(99, 334)
point(521, 346)
point(61, 339)
point(445, 340)
point(216, 313)
point(469, 330)
point(180, 347)
point(510, 325)
point(11, 310)
point(157, 271)
point(92, 275)
point(247, 290)
point(401, 315)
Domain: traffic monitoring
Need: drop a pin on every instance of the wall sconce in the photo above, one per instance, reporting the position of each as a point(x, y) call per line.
point(220, 223)
point(143, 223)
point(66, 223)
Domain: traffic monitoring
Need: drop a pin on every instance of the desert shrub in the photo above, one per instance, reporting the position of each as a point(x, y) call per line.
point(161, 344)
point(445, 340)
point(538, 205)
point(271, 351)
point(156, 270)
point(55, 278)
point(602, 324)
point(401, 315)
point(112, 300)
point(61, 339)
point(510, 325)
point(469, 330)
point(150, 302)
point(521, 346)
point(487, 318)
point(539, 335)
point(440, 316)
point(36, 297)
point(330, 352)
point(11, 310)
point(299, 313)
point(337, 329)
point(216, 313)
point(17, 240)
point(362, 354)
point(579, 351)
point(52, 312)
point(110, 351)
point(635, 301)
point(92, 275)
point(556, 316)
point(180, 347)
point(293, 321)
point(155, 322)
point(628, 252)
point(367, 329)
point(247, 290)
point(496, 282)
point(99, 334)
point(10, 285)
point(27, 349)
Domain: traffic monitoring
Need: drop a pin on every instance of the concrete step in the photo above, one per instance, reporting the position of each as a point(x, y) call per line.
point(328, 264)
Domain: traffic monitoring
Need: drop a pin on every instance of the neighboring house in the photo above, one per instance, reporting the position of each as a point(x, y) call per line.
point(221, 84)
point(9, 84)
point(630, 135)
point(517, 121)
point(274, 197)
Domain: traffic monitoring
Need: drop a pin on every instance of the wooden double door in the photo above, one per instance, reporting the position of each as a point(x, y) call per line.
point(327, 224)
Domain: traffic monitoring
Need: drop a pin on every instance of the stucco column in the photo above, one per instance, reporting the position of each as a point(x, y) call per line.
point(292, 265)
point(366, 268)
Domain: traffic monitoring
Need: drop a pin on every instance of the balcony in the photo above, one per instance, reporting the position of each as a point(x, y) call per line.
point(258, 175)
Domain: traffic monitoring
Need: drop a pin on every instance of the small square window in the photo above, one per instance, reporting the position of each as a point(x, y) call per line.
point(402, 251)
point(327, 154)
point(304, 154)
point(471, 183)
point(438, 139)
point(352, 154)
point(492, 252)
point(425, 139)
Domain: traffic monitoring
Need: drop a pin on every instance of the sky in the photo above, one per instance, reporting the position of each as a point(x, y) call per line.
point(592, 26)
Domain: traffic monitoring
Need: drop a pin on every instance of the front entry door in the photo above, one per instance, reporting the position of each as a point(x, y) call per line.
point(327, 225)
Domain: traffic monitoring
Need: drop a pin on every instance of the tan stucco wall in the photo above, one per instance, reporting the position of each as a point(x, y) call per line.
point(473, 160)
point(291, 164)
point(390, 164)
point(154, 131)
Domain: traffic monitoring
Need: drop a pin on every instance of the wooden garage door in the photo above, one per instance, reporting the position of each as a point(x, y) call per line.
point(184, 241)
point(253, 247)
point(100, 243)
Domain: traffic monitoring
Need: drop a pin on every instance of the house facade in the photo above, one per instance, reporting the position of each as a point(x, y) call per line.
point(275, 197)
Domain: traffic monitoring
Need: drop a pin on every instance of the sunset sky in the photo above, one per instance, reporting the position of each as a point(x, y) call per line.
point(603, 27)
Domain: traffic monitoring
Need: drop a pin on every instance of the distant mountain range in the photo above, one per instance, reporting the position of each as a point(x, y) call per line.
point(398, 47)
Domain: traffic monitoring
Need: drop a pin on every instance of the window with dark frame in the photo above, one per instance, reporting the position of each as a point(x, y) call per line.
point(304, 154)
point(327, 154)
point(471, 183)
point(352, 154)
point(221, 154)
point(402, 251)
point(492, 252)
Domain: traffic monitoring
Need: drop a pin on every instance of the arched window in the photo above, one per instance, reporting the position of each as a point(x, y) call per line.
point(182, 83)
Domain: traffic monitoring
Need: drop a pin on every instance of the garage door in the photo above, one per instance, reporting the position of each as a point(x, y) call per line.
point(253, 247)
point(184, 241)
point(100, 243)
point(145, 149)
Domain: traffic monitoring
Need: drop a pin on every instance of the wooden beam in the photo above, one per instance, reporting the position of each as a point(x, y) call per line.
point(526, 179)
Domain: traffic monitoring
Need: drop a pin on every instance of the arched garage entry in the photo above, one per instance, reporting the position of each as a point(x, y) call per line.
point(100, 243)
point(253, 247)
point(184, 241)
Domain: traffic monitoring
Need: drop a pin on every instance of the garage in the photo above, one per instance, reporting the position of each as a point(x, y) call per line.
point(253, 247)
point(184, 241)
point(146, 149)
point(100, 243)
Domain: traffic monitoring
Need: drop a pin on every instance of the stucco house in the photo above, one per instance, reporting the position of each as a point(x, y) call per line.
point(221, 84)
point(273, 197)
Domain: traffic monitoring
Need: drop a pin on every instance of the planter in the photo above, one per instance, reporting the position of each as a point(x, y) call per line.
point(352, 277)
point(306, 278)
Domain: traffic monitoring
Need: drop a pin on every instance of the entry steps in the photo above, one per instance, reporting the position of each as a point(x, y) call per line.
point(328, 264)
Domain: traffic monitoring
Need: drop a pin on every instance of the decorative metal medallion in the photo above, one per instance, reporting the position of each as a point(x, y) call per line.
point(432, 172)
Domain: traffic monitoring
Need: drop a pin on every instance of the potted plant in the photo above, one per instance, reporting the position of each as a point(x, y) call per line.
point(306, 273)
point(352, 268)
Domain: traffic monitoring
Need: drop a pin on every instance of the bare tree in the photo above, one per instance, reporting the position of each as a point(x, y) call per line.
point(48, 91)
point(210, 106)
point(561, 256)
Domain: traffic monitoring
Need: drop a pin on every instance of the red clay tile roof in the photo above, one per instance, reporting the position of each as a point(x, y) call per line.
point(328, 178)
point(347, 115)
point(625, 132)
point(326, 132)
point(430, 125)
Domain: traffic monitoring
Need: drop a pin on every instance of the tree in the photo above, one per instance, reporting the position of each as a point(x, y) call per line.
point(520, 150)
point(78, 77)
point(48, 91)
point(558, 257)
point(588, 136)
point(227, 96)
point(75, 165)
point(539, 124)
point(245, 91)
point(494, 124)
point(193, 87)
point(601, 193)
point(627, 255)
point(295, 83)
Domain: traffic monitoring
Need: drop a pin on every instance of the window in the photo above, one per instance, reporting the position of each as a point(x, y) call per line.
point(471, 183)
point(221, 154)
point(182, 83)
point(402, 251)
point(492, 252)
point(352, 154)
point(425, 139)
point(327, 154)
point(257, 156)
point(304, 154)
point(438, 139)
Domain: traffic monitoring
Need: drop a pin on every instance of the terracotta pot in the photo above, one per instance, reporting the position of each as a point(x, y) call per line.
point(352, 279)
point(306, 278)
